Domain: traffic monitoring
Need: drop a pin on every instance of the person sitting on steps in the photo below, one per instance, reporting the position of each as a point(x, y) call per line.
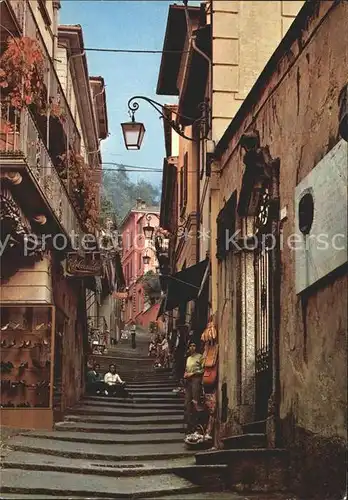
point(115, 386)
point(95, 384)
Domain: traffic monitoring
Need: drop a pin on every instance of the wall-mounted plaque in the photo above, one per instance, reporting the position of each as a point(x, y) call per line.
point(321, 219)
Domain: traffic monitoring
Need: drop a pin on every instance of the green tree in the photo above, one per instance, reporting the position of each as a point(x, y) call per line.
point(106, 209)
point(122, 193)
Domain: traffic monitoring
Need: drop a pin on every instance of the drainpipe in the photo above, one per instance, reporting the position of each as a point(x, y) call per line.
point(81, 54)
point(95, 101)
point(192, 43)
point(56, 7)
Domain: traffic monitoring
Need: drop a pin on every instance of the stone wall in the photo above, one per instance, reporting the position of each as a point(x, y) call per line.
point(31, 283)
point(296, 114)
point(245, 34)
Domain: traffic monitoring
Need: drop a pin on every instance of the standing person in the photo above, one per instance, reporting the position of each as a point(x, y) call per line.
point(115, 386)
point(152, 346)
point(193, 384)
point(164, 351)
point(95, 384)
point(133, 332)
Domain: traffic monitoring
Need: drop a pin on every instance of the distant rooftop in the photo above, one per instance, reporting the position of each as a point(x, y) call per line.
point(141, 208)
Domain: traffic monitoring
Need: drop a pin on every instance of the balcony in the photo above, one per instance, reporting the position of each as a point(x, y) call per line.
point(38, 188)
point(14, 15)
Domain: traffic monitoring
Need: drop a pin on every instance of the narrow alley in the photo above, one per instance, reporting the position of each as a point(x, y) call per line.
point(173, 249)
point(115, 448)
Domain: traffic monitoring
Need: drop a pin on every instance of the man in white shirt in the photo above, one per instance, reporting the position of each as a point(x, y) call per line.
point(115, 385)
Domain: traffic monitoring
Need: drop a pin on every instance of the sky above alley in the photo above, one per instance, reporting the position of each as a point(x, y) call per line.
point(125, 25)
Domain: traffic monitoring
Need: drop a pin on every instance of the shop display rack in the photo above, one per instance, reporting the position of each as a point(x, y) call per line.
point(26, 365)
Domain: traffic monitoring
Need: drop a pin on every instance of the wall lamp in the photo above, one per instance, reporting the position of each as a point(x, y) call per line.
point(133, 131)
point(146, 259)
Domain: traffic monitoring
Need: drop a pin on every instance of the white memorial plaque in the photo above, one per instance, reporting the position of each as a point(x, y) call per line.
point(324, 248)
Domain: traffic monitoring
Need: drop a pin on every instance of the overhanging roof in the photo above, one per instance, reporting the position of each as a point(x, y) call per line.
point(173, 47)
point(98, 89)
point(72, 37)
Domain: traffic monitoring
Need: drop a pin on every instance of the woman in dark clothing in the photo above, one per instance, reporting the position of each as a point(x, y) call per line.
point(95, 383)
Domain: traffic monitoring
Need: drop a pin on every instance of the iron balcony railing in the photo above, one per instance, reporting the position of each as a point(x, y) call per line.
point(25, 139)
point(26, 20)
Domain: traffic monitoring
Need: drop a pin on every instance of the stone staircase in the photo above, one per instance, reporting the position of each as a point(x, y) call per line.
point(113, 448)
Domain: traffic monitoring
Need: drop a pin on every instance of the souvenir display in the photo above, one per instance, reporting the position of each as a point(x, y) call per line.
point(202, 437)
point(26, 356)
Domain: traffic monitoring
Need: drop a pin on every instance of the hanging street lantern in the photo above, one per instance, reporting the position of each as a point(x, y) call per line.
point(133, 134)
point(148, 231)
point(146, 259)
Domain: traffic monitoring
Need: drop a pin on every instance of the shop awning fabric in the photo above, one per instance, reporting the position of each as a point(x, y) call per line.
point(184, 286)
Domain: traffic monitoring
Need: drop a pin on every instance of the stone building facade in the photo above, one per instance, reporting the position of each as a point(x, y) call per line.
point(50, 140)
point(223, 48)
point(282, 309)
point(138, 259)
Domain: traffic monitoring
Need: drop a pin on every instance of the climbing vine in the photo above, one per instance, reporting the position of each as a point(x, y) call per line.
point(83, 190)
point(22, 77)
point(22, 73)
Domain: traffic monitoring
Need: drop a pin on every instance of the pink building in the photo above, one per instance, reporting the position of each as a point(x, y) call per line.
point(135, 248)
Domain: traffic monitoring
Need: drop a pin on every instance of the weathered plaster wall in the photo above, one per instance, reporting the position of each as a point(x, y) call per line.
point(245, 34)
point(296, 114)
point(30, 284)
point(187, 248)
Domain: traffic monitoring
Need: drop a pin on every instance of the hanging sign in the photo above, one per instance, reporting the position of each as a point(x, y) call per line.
point(89, 264)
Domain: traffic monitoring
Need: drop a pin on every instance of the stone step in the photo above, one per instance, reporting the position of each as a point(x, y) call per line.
point(92, 486)
point(257, 469)
point(245, 441)
point(221, 495)
point(209, 476)
point(120, 412)
point(119, 429)
point(98, 451)
point(121, 357)
point(104, 438)
point(140, 376)
point(258, 427)
point(155, 394)
point(20, 459)
point(174, 399)
point(130, 405)
point(155, 383)
point(155, 419)
point(151, 390)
